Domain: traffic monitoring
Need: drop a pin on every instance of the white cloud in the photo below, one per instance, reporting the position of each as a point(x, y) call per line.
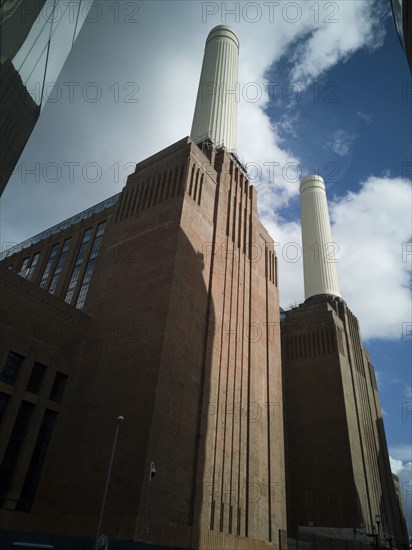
point(271, 167)
point(369, 228)
point(403, 470)
point(288, 246)
point(260, 140)
point(168, 80)
point(288, 124)
point(402, 453)
point(157, 58)
point(341, 142)
point(379, 379)
point(365, 117)
point(355, 26)
point(396, 465)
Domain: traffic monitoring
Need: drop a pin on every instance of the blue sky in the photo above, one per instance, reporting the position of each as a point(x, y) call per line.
point(339, 101)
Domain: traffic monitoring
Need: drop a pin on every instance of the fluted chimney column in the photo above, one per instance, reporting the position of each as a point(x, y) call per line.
point(216, 105)
point(319, 249)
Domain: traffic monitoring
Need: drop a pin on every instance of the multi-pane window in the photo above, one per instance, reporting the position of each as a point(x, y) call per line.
point(4, 399)
point(33, 266)
point(77, 266)
point(59, 266)
point(11, 367)
point(57, 390)
point(86, 214)
point(36, 378)
point(48, 266)
point(8, 465)
point(25, 263)
point(90, 265)
point(36, 463)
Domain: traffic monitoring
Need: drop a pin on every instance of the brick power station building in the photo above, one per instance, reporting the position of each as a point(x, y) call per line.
point(160, 339)
point(337, 462)
point(161, 305)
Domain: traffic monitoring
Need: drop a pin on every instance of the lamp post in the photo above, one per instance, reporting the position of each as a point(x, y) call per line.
point(119, 420)
point(152, 473)
point(378, 523)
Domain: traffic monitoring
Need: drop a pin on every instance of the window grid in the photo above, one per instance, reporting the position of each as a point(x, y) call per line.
point(36, 378)
point(59, 384)
point(11, 367)
point(33, 266)
point(36, 462)
point(90, 265)
point(59, 266)
point(77, 266)
point(48, 267)
point(18, 434)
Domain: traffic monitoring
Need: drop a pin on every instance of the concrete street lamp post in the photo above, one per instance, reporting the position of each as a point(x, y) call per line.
point(119, 420)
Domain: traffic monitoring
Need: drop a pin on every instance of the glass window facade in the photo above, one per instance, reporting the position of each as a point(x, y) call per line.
point(18, 434)
point(48, 266)
point(11, 368)
point(48, 42)
point(36, 37)
point(77, 266)
point(36, 463)
point(90, 265)
point(59, 384)
point(59, 266)
point(33, 266)
point(36, 378)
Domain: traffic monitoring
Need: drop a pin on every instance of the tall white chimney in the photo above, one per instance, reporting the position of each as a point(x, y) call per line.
point(319, 249)
point(216, 105)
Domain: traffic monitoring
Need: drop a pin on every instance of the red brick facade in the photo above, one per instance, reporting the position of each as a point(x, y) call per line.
point(182, 339)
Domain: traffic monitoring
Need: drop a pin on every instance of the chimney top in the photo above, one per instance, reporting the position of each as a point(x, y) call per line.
point(223, 31)
point(312, 181)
